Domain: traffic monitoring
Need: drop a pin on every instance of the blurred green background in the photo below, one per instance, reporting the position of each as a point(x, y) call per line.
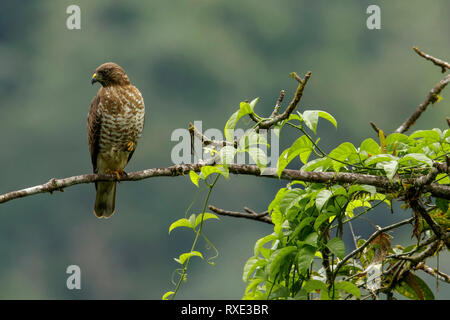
point(192, 60)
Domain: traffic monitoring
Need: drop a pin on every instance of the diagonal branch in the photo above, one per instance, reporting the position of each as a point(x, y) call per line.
point(434, 272)
point(431, 98)
point(440, 63)
point(292, 105)
point(373, 236)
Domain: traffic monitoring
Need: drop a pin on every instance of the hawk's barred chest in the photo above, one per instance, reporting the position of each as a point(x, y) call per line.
point(121, 109)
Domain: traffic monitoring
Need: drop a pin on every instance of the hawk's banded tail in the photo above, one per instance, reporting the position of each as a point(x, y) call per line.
point(105, 199)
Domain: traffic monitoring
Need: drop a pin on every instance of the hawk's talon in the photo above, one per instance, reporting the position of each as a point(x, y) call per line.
point(130, 146)
point(118, 173)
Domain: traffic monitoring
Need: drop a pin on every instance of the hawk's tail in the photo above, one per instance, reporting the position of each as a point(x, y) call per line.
point(105, 199)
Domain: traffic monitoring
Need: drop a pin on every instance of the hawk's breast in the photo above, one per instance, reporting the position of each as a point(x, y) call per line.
point(122, 113)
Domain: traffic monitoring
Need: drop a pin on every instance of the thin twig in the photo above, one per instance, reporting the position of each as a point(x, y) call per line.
point(440, 63)
point(432, 97)
point(292, 105)
point(373, 236)
point(253, 216)
point(276, 110)
point(434, 272)
point(375, 128)
point(419, 209)
point(206, 141)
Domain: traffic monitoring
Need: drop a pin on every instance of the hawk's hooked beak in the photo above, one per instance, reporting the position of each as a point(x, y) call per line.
point(94, 78)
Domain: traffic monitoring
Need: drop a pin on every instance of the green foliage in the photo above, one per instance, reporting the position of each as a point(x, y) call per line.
point(305, 257)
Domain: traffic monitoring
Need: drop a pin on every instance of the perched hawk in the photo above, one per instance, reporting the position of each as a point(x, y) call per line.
point(115, 122)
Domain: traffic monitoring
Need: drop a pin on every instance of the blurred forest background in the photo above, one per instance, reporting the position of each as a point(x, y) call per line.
point(192, 60)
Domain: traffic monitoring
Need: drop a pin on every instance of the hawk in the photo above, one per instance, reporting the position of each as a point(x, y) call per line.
point(115, 123)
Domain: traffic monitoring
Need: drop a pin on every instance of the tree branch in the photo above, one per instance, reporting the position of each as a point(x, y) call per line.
point(251, 215)
point(432, 97)
point(206, 141)
point(382, 183)
point(440, 63)
point(419, 210)
point(434, 272)
point(292, 105)
point(373, 236)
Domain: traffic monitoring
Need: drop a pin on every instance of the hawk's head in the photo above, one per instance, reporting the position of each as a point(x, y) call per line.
point(110, 74)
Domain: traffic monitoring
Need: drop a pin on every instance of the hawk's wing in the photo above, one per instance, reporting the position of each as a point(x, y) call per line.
point(93, 126)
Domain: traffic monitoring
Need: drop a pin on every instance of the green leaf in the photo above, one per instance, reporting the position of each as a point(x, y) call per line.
point(416, 157)
point(290, 199)
point(259, 156)
point(192, 220)
point(329, 117)
point(357, 203)
point(362, 187)
point(443, 178)
point(277, 258)
point(396, 137)
point(207, 170)
point(322, 197)
point(276, 201)
point(426, 291)
point(442, 204)
point(302, 147)
point(311, 239)
point(349, 287)
point(281, 292)
point(282, 162)
point(313, 285)
point(263, 241)
point(414, 288)
point(311, 118)
point(305, 257)
point(342, 153)
point(370, 146)
point(337, 247)
point(167, 295)
point(205, 216)
point(430, 135)
point(185, 256)
point(194, 177)
point(303, 223)
point(321, 164)
point(390, 168)
point(181, 223)
point(244, 109)
point(227, 154)
point(321, 219)
point(253, 285)
point(379, 158)
point(251, 265)
point(252, 138)
point(301, 295)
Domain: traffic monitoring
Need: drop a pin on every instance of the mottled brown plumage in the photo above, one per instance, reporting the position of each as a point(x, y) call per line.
point(115, 122)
